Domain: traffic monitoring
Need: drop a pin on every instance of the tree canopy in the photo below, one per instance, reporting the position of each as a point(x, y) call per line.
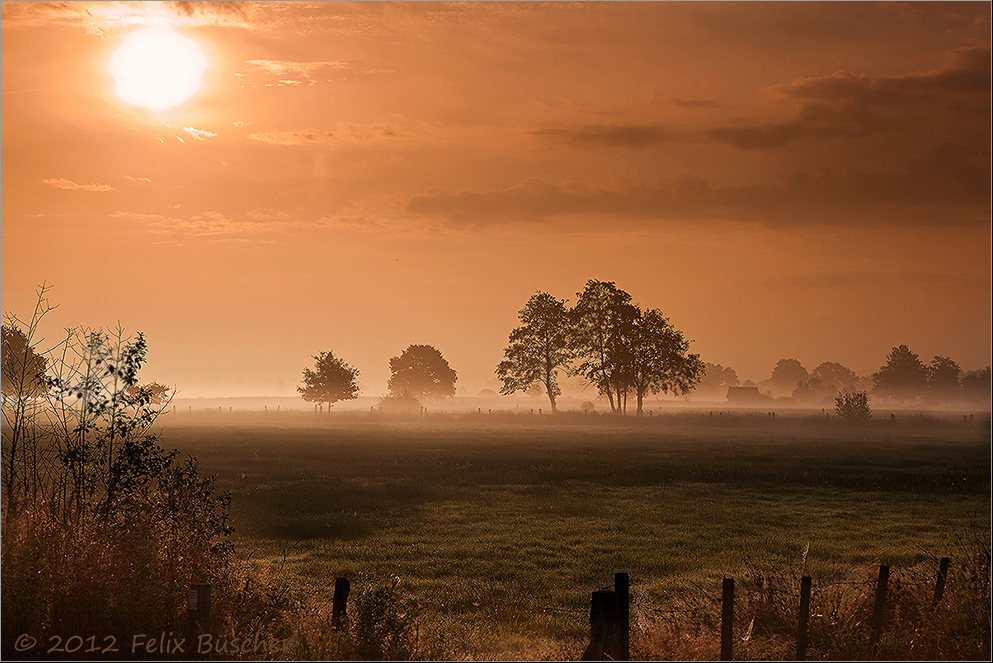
point(787, 374)
point(23, 369)
point(538, 349)
point(422, 372)
point(659, 359)
point(602, 325)
point(903, 376)
point(332, 381)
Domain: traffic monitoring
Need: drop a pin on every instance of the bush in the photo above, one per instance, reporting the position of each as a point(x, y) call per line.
point(399, 403)
point(103, 528)
point(853, 406)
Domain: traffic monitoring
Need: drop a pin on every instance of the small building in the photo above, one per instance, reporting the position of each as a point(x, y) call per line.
point(746, 396)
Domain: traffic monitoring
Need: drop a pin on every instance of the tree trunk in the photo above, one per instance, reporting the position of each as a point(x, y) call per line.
point(641, 397)
point(551, 397)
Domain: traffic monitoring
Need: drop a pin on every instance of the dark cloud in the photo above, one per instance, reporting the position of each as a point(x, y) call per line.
point(948, 185)
point(815, 120)
point(606, 135)
point(845, 105)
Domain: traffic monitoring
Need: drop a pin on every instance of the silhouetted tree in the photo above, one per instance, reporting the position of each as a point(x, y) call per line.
point(853, 406)
point(659, 358)
point(943, 377)
point(23, 369)
point(836, 377)
point(787, 374)
point(717, 378)
point(538, 349)
point(423, 372)
point(602, 327)
point(333, 381)
point(976, 384)
point(903, 377)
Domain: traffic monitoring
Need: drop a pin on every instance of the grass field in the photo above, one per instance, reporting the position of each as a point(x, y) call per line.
point(500, 527)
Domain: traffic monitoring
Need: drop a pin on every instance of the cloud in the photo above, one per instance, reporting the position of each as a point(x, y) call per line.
point(846, 105)
point(814, 120)
point(62, 183)
point(295, 68)
point(101, 17)
point(608, 135)
point(344, 131)
point(947, 185)
point(143, 180)
point(199, 134)
point(300, 137)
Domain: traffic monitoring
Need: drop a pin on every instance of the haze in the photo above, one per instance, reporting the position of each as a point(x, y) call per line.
point(806, 180)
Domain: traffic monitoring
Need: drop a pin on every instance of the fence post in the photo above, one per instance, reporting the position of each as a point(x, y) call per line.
point(939, 587)
point(197, 612)
point(604, 627)
point(622, 585)
point(727, 620)
point(804, 621)
point(880, 606)
point(339, 604)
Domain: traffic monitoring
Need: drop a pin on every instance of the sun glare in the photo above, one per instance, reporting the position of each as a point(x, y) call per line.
point(157, 68)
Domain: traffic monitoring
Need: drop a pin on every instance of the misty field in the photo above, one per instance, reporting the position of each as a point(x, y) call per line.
point(499, 527)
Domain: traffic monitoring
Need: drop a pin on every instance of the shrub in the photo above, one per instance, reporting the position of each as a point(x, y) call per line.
point(853, 406)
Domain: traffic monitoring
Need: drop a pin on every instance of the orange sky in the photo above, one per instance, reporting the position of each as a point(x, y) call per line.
point(798, 180)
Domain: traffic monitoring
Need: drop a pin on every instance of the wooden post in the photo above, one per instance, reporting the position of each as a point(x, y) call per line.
point(939, 587)
point(804, 621)
point(197, 611)
point(880, 606)
point(622, 585)
point(604, 627)
point(727, 620)
point(339, 604)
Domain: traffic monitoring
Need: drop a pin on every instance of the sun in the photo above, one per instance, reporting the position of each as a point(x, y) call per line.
point(157, 68)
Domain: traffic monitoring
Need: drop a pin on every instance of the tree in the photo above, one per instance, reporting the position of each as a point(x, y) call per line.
point(835, 376)
point(717, 378)
point(976, 384)
point(538, 349)
point(659, 359)
point(602, 326)
point(787, 374)
point(23, 369)
point(902, 377)
point(333, 381)
point(943, 377)
point(423, 372)
point(853, 406)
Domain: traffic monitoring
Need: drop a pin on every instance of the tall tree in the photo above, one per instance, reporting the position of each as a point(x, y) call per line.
point(835, 377)
point(976, 384)
point(422, 372)
point(943, 378)
point(602, 326)
point(332, 381)
point(538, 349)
point(659, 358)
point(902, 377)
point(787, 374)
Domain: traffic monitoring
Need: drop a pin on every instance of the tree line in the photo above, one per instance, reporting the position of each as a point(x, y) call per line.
point(607, 339)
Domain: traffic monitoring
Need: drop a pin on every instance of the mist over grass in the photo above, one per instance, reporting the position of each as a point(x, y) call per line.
point(500, 526)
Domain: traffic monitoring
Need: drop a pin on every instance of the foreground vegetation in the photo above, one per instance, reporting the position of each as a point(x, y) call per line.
point(485, 535)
